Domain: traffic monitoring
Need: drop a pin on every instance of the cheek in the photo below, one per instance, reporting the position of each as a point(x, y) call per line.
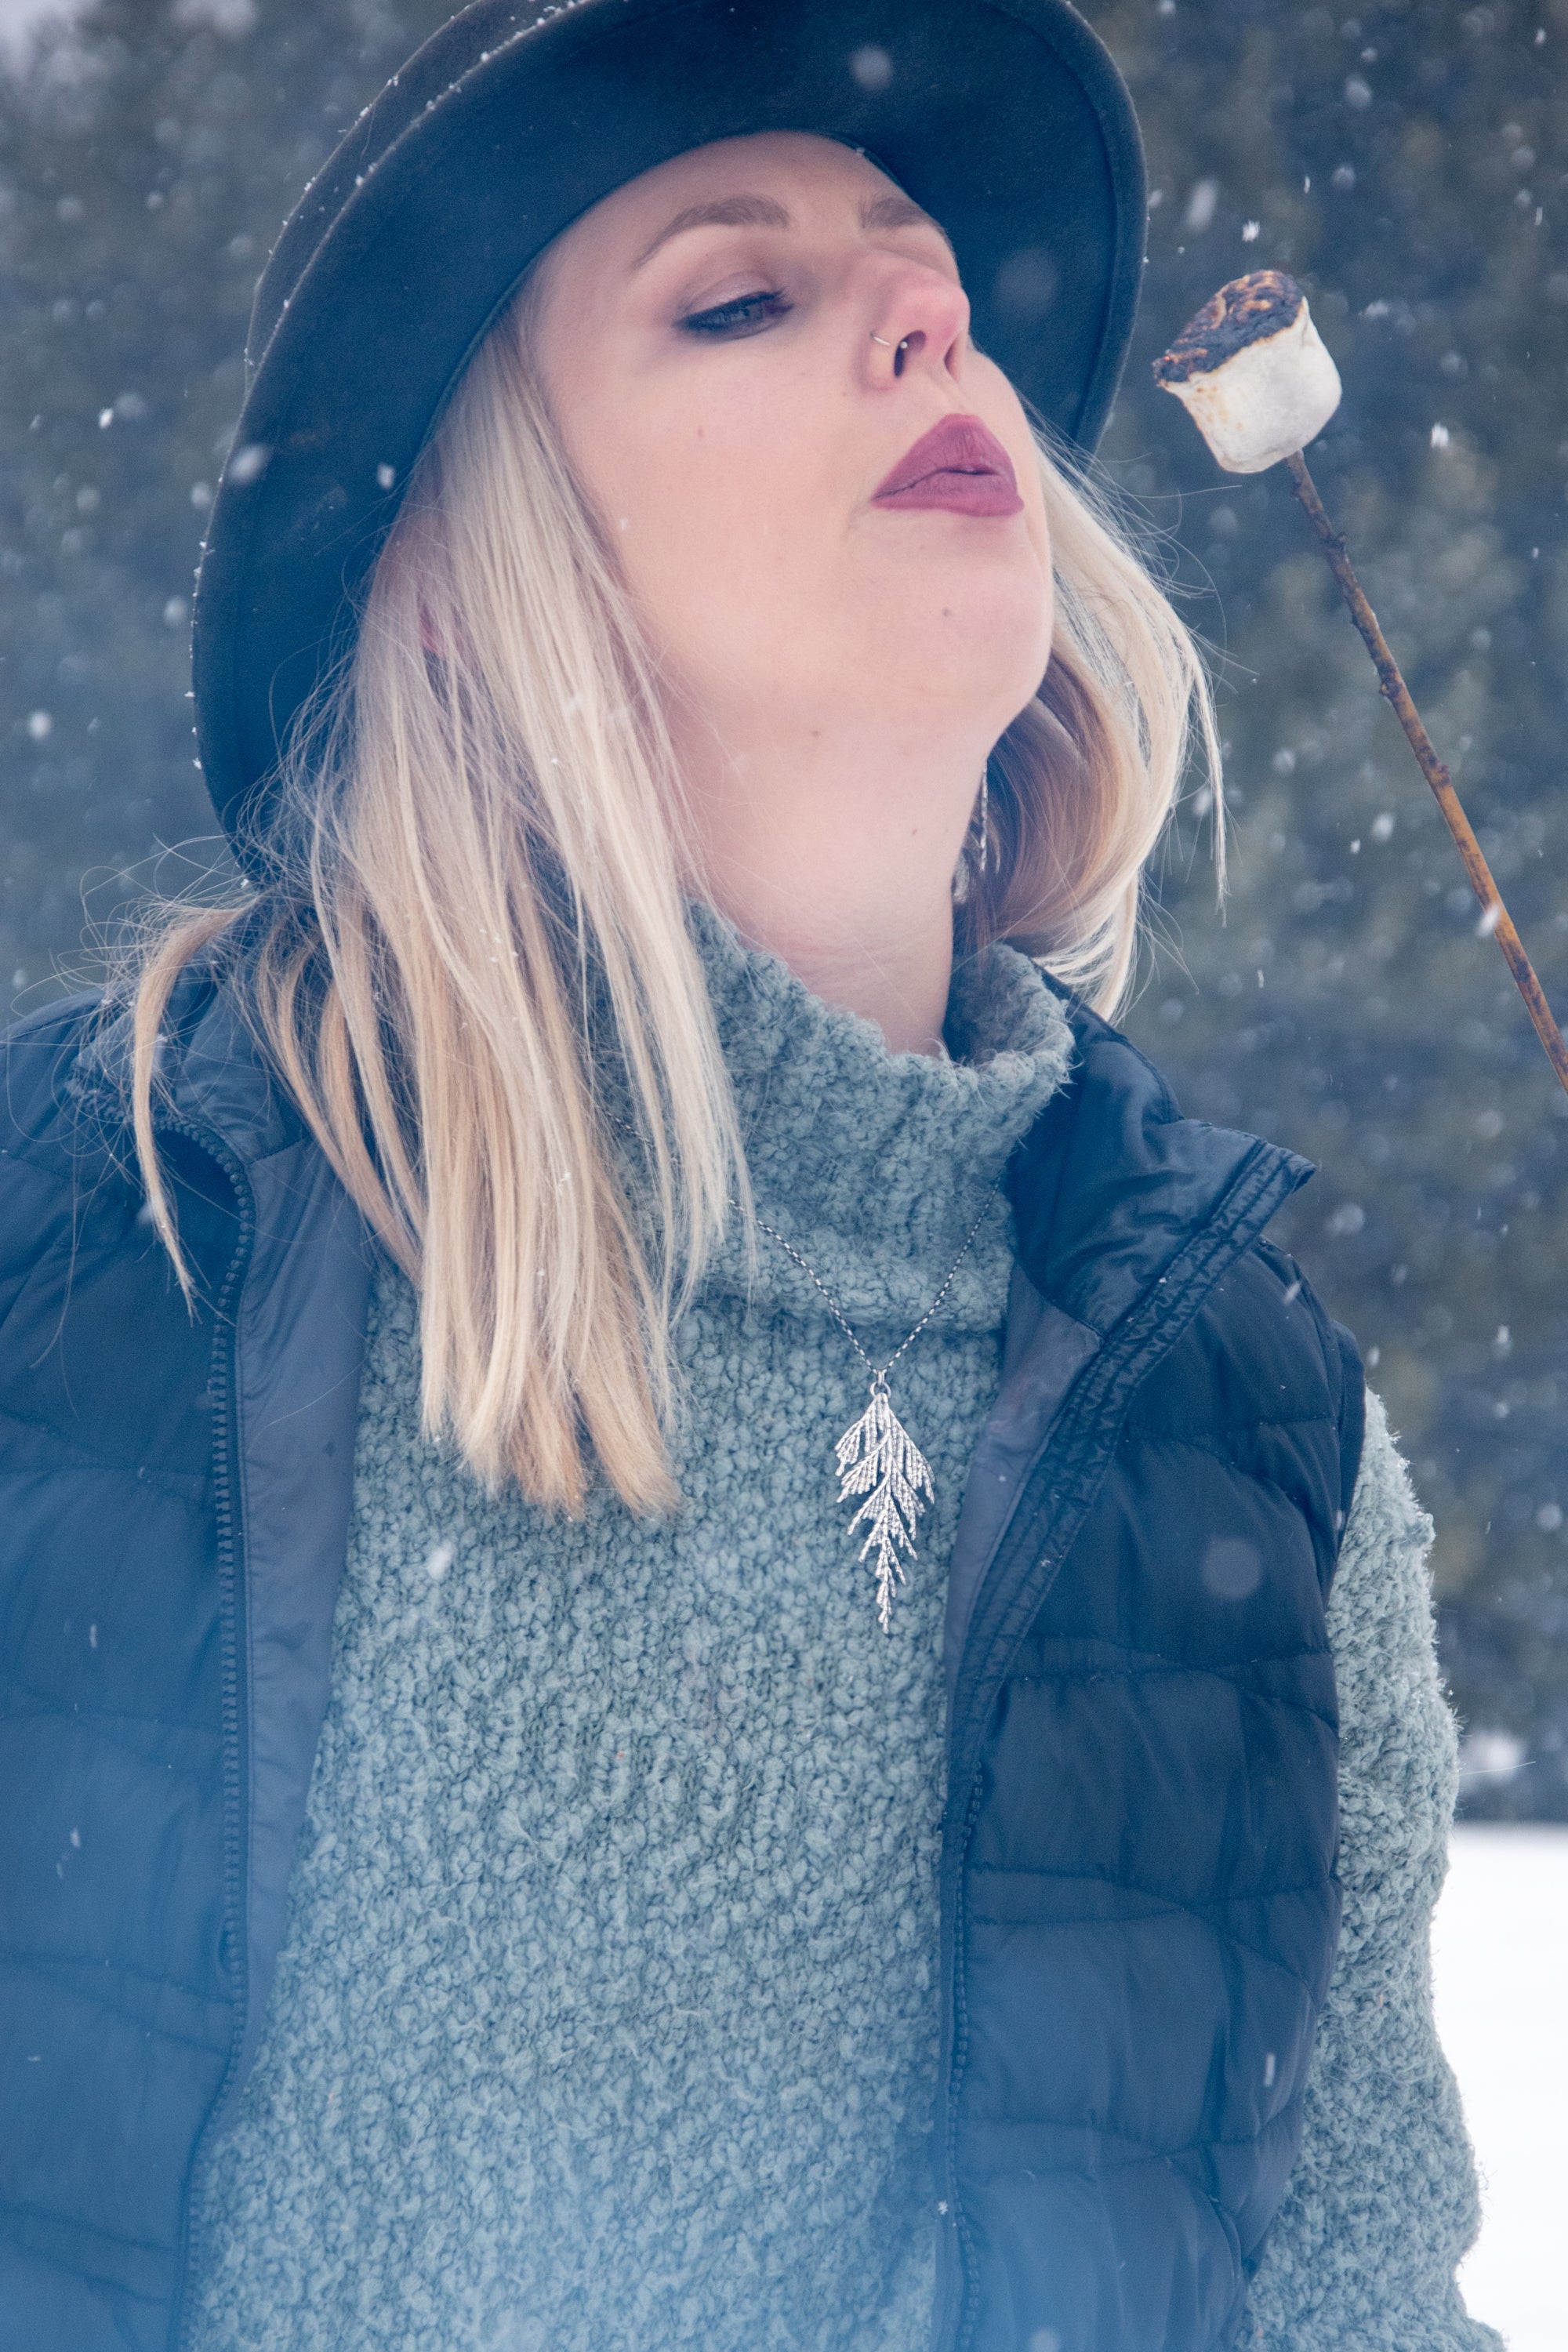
point(720, 536)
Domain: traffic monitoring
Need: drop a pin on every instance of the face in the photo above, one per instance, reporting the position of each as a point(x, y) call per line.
point(741, 348)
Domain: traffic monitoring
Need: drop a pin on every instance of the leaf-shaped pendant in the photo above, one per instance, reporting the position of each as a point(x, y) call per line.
point(880, 1459)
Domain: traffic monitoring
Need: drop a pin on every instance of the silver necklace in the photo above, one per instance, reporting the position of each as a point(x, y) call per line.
point(877, 1457)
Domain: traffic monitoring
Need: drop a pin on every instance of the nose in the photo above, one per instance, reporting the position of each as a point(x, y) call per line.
point(919, 317)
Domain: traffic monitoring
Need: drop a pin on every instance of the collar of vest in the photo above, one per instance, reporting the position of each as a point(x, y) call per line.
point(1110, 1188)
point(215, 1075)
point(1111, 1181)
point(1111, 1142)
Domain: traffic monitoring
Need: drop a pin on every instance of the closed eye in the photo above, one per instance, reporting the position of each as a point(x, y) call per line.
point(747, 314)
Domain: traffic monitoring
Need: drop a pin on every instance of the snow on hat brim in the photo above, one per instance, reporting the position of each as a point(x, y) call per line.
point(1007, 122)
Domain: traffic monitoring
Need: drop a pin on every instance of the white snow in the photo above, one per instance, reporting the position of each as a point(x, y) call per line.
point(1498, 1947)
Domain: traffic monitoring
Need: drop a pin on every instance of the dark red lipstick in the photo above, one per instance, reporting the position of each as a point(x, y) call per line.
point(957, 465)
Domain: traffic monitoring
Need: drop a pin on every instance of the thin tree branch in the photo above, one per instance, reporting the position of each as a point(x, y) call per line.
point(1496, 917)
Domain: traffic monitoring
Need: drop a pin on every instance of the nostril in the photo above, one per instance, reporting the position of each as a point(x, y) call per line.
point(914, 342)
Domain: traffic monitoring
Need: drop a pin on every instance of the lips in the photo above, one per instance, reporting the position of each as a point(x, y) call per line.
point(958, 465)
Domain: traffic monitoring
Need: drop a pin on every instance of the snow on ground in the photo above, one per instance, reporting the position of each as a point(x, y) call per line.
point(1499, 1952)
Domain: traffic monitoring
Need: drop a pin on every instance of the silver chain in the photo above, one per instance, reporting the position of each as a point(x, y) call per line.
point(881, 1371)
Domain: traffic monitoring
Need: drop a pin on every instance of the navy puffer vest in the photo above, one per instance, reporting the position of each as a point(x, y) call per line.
point(1139, 1908)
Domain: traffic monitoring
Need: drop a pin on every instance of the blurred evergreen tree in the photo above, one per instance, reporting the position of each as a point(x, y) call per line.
point(1410, 165)
point(148, 154)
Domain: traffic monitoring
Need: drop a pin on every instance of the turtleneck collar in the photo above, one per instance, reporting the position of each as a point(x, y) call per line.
point(874, 1165)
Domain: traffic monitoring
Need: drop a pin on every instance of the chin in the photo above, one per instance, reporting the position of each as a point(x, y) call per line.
point(990, 646)
point(991, 598)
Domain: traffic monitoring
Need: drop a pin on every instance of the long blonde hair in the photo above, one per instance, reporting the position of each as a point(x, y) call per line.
point(471, 876)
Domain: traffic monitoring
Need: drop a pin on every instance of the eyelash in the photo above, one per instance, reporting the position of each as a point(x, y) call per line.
point(742, 312)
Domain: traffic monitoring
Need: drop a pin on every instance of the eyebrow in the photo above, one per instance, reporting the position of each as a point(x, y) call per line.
point(767, 212)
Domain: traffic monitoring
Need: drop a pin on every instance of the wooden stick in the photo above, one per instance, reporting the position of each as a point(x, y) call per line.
point(1495, 915)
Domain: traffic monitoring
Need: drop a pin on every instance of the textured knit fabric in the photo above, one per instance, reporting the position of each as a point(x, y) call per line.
point(1383, 2199)
point(608, 2015)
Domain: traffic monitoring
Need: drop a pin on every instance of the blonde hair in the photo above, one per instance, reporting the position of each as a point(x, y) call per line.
point(471, 880)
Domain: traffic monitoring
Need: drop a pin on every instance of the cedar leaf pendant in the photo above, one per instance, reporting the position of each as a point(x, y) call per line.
point(880, 1459)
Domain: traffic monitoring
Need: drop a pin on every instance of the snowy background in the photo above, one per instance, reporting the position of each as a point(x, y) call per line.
point(1409, 162)
point(1502, 1932)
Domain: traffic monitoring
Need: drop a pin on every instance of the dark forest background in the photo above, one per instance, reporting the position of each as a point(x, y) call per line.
point(1409, 163)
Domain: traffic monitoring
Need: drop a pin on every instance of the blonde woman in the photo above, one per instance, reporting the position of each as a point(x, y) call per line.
point(680, 1575)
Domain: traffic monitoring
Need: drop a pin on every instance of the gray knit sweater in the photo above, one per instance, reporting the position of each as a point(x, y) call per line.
point(607, 2014)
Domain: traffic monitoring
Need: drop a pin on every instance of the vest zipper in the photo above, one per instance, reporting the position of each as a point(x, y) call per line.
point(1151, 1329)
point(225, 1480)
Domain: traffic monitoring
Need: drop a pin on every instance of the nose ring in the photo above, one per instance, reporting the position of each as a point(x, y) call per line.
point(887, 346)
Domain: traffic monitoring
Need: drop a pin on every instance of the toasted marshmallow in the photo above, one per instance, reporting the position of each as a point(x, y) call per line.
point(1253, 372)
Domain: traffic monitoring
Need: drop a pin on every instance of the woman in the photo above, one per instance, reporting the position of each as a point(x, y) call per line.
point(509, 1855)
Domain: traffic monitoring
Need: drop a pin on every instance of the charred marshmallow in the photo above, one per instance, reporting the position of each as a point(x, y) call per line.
point(1253, 372)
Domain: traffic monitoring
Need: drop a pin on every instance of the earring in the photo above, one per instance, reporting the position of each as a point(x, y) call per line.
point(970, 862)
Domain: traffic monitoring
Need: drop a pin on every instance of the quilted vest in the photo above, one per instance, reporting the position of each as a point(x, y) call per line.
point(1138, 1901)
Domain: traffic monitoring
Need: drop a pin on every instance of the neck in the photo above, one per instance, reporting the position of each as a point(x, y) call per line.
point(839, 859)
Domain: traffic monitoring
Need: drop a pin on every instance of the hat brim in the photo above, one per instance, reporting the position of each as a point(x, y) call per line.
point(1007, 122)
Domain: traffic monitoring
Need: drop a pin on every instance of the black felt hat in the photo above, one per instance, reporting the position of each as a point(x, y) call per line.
point(1004, 119)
